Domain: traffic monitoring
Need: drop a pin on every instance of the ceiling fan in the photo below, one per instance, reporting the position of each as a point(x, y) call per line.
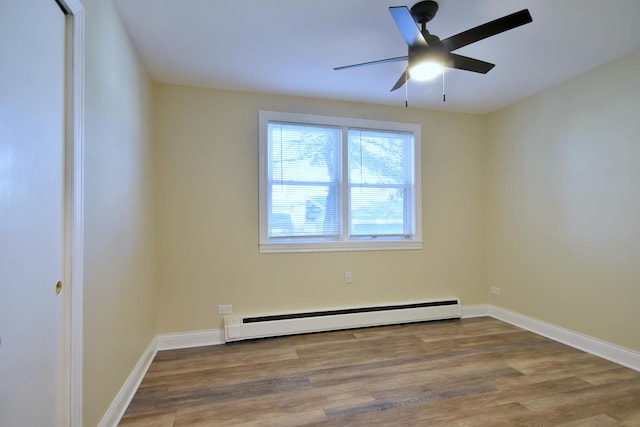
point(426, 49)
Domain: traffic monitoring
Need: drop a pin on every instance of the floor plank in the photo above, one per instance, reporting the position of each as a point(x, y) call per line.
point(472, 372)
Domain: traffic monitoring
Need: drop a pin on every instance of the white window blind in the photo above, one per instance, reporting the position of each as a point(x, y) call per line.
point(304, 186)
point(333, 184)
point(381, 197)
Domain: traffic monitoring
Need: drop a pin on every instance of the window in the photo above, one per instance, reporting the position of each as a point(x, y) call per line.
point(336, 184)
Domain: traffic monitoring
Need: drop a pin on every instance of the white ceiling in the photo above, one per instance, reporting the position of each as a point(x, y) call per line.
point(291, 46)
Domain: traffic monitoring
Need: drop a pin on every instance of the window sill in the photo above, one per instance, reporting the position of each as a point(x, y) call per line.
point(271, 248)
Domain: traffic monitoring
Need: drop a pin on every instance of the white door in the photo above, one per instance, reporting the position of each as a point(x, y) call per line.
point(32, 52)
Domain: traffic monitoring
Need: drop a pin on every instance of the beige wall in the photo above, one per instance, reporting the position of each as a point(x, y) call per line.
point(207, 151)
point(564, 204)
point(119, 225)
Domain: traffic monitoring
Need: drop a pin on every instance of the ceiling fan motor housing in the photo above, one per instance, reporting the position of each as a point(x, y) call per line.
point(419, 54)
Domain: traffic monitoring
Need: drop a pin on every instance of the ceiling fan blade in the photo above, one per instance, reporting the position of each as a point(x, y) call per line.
point(379, 61)
point(469, 64)
point(487, 30)
point(407, 26)
point(401, 81)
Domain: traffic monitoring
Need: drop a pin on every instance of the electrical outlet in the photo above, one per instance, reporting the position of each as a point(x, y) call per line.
point(225, 309)
point(495, 290)
point(347, 277)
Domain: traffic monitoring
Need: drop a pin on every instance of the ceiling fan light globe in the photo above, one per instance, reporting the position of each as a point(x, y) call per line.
point(425, 71)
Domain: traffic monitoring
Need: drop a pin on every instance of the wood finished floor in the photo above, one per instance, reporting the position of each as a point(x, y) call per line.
point(472, 372)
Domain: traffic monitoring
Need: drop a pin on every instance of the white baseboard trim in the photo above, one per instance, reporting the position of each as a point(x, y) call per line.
point(121, 402)
point(189, 339)
point(597, 347)
point(478, 310)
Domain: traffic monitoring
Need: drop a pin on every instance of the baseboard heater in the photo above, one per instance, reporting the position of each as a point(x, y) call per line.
point(242, 328)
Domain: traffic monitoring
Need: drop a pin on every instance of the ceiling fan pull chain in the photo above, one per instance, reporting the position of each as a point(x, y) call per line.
point(406, 88)
point(444, 95)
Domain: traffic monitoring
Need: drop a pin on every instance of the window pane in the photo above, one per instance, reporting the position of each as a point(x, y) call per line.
point(377, 211)
point(378, 157)
point(380, 183)
point(303, 153)
point(299, 211)
point(303, 181)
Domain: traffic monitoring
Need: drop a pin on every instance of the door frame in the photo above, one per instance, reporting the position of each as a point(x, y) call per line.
point(73, 268)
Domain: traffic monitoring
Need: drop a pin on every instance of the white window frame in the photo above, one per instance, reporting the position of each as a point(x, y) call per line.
point(343, 244)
